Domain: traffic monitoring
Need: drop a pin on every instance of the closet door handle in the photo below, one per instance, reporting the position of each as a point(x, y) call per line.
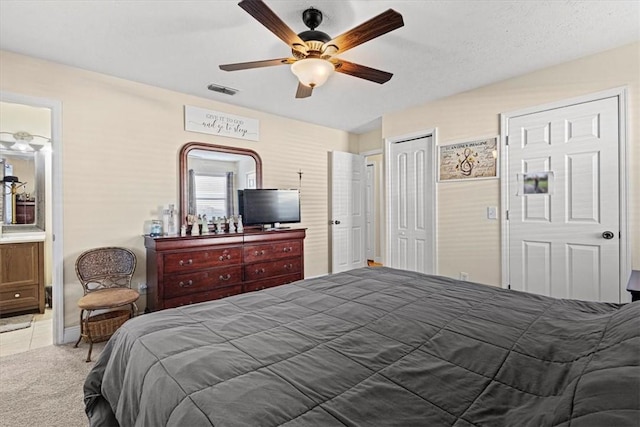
point(607, 235)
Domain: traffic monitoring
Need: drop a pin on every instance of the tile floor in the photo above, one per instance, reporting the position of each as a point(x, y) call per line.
point(39, 334)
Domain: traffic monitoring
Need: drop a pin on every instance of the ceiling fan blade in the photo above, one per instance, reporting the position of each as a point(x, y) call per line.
point(261, 12)
point(256, 64)
point(374, 27)
point(362, 71)
point(303, 91)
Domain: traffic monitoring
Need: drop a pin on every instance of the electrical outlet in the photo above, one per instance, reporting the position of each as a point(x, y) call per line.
point(142, 288)
point(464, 276)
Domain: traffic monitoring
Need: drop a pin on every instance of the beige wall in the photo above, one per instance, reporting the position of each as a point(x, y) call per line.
point(467, 241)
point(120, 144)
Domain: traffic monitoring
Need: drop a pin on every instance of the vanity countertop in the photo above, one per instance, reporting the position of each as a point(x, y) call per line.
point(22, 237)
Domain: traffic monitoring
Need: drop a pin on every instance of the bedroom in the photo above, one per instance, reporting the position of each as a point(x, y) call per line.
point(135, 132)
point(112, 113)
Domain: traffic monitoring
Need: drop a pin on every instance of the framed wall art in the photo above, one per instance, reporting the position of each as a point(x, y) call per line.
point(468, 160)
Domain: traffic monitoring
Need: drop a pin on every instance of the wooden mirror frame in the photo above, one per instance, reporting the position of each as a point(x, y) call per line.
point(183, 157)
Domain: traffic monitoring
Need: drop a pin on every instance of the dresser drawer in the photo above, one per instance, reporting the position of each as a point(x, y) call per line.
point(180, 284)
point(15, 298)
point(196, 260)
point(266, 252)
point(202, 296)
point(272, 268)
point(272, 281)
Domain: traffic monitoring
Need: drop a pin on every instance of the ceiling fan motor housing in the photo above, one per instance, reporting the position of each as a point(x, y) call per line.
point(313, 39)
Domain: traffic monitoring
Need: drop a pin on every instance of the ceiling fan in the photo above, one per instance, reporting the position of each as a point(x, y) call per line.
point(314, 52)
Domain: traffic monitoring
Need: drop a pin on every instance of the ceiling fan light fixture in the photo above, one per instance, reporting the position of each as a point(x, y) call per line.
point(312, 72)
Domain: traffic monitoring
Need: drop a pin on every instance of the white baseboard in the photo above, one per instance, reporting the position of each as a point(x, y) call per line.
point(71, 334)
point(319, 275)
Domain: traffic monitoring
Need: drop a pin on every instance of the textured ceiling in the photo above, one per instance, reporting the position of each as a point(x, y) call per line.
point(445, 47)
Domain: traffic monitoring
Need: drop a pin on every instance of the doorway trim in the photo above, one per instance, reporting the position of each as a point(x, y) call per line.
point(370, 222)
point(379, 208)
point(57, 257)
point(623, 178)
point(432, 197)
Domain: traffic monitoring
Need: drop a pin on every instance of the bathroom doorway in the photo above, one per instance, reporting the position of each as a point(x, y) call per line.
point(33, 125)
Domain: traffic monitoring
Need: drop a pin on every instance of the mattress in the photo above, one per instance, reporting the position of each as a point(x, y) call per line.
point(373, 347)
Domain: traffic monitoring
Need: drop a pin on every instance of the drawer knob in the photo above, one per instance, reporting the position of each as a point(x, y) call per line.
point(189, 262)
point(289, 249)
point(223, 257)
point(185, 285)
point(259, 252)
point(259, 271)
point(288, 266)
point(16, 296)
point(225, 277)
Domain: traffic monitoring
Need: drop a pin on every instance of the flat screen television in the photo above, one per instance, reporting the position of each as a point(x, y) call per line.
point(269, 206)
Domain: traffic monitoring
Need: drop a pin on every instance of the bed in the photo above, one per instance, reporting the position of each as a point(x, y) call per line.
point(373, 347)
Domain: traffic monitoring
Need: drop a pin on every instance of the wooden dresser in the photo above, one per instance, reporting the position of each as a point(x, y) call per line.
point(187, 270)
point(21, 277)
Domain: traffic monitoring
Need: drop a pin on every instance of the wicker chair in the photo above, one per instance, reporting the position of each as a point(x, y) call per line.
point(105, 275)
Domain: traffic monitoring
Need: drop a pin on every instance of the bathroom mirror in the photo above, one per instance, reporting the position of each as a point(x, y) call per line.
point(25, 159)
point(210, 176)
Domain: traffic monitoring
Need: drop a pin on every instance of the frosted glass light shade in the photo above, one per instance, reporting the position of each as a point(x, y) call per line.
point(312, 72)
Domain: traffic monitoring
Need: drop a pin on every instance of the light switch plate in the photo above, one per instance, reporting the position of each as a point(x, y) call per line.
point(492, 212)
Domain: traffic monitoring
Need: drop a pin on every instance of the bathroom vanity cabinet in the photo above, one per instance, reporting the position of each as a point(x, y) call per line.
point(21, 277)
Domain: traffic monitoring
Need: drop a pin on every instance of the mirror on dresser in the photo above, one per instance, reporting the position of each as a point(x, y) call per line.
point(210, 176)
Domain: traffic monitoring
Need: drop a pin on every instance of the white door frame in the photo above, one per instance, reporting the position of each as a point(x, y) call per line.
point(432, 198)
point(370, 206)
point(56, 197)
point(377, 228)
point(625, 248)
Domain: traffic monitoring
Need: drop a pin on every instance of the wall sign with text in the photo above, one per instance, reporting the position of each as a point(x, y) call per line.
point(468, 160)
point(221, 124)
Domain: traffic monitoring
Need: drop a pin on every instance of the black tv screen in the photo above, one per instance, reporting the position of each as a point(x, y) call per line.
point(269, 206)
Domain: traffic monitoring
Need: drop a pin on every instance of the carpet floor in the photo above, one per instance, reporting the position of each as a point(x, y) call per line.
point(43, 387)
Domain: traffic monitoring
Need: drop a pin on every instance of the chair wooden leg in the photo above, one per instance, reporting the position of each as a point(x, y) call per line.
point(81, 330)
point(89, 354)
point(88, 334)
point(85, 332)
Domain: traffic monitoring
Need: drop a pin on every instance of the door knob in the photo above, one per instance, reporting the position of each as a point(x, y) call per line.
point(607, 235)
point(336, 222)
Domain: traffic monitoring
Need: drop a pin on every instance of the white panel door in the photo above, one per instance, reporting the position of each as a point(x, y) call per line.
point(564, 235)
point(347, 211)
point(370, 211)
point(411, 209)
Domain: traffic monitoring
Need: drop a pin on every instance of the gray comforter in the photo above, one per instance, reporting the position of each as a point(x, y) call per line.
point(373, 347)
